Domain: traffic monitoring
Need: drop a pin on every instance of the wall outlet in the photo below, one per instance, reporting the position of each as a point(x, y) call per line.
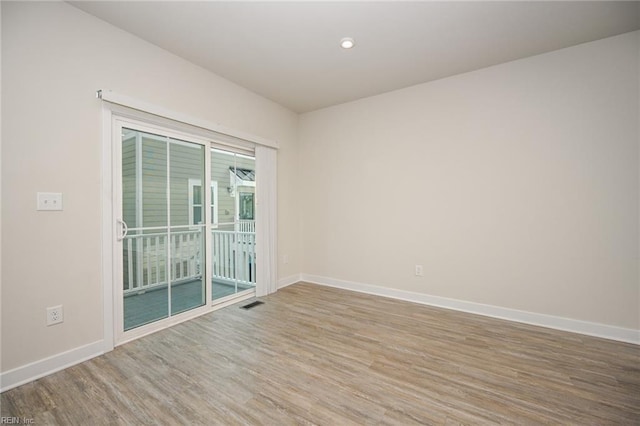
point(55, 315)
point(419, 271)
point(49, 201)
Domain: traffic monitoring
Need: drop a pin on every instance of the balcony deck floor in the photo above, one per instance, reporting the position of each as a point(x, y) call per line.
point(152, 305)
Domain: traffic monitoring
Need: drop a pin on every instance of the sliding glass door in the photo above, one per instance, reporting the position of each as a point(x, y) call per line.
point(163, 246)
point(186, 232)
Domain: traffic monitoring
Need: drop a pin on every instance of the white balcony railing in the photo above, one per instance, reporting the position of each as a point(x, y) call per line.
point(246, 226)
point(234, 255)
point(145, 258)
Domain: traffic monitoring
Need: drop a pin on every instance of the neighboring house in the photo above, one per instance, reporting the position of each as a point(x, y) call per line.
point(232, 175)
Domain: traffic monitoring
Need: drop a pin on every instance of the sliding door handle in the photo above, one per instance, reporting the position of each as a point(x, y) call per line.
point(125, 229)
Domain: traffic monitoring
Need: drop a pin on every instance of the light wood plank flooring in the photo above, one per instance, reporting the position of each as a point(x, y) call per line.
point(317, 355)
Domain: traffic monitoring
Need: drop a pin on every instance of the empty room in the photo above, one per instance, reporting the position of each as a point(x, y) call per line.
point(318, 212)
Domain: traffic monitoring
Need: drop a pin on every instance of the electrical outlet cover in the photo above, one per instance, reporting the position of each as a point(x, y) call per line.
point(49, 201)
point(55, 315)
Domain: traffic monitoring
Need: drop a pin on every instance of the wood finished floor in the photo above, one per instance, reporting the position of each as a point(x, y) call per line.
point(317, 355)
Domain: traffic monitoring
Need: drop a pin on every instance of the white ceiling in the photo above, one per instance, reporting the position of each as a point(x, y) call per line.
point(289, 51)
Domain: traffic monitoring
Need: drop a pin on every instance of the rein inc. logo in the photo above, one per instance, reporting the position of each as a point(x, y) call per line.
point(16, 421)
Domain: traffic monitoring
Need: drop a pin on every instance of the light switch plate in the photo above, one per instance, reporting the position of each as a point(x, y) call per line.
point(49, 201)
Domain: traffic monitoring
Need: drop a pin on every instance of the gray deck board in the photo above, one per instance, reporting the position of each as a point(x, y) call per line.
point(141, 309)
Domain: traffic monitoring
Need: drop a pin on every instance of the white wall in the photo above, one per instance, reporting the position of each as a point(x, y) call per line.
point(54, 58)
point(515, 186)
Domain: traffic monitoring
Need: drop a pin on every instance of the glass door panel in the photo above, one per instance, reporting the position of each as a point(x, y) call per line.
point(233, 226)
point(187, 226)
point(163, 251)
point(145, 298)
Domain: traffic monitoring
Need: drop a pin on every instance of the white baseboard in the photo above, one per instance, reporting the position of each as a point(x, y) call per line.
point(286, 281)
point(559, 323)
point(35, 370)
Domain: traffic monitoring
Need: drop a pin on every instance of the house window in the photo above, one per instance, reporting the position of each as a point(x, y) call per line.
point(246, 206)
point(196, 202)
point(243, 178)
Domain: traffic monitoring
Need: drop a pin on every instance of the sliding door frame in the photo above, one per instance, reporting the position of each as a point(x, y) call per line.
point(122, 106)
point(113, 291)
point(122, 336)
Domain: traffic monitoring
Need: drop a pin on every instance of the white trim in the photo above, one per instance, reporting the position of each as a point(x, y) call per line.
point(214, 218)
point(193, 183)
point(558, 323)
point(118, 99)
point(139, 203)
point(212, 204)
point(108, 231)
point(162, 324)
point(44, 367)
point(238, 151)
point(236, 181)
point(115, 171)
point(169, 268)
point(232, 299)
point(287, 281)
point(208, 226)
point(161, 132)
point(163, 139)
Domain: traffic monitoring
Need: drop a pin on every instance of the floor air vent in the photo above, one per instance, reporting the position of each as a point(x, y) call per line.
point(252, 305)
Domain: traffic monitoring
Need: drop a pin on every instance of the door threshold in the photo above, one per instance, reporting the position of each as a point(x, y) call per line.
point(234, 298)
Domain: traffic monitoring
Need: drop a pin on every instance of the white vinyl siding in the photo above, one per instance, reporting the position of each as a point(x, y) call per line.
point(129, 181)
point(154, 183)
point(182, 158)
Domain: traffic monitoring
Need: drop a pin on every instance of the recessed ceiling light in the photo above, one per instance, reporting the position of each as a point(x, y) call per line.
point(347, 43)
